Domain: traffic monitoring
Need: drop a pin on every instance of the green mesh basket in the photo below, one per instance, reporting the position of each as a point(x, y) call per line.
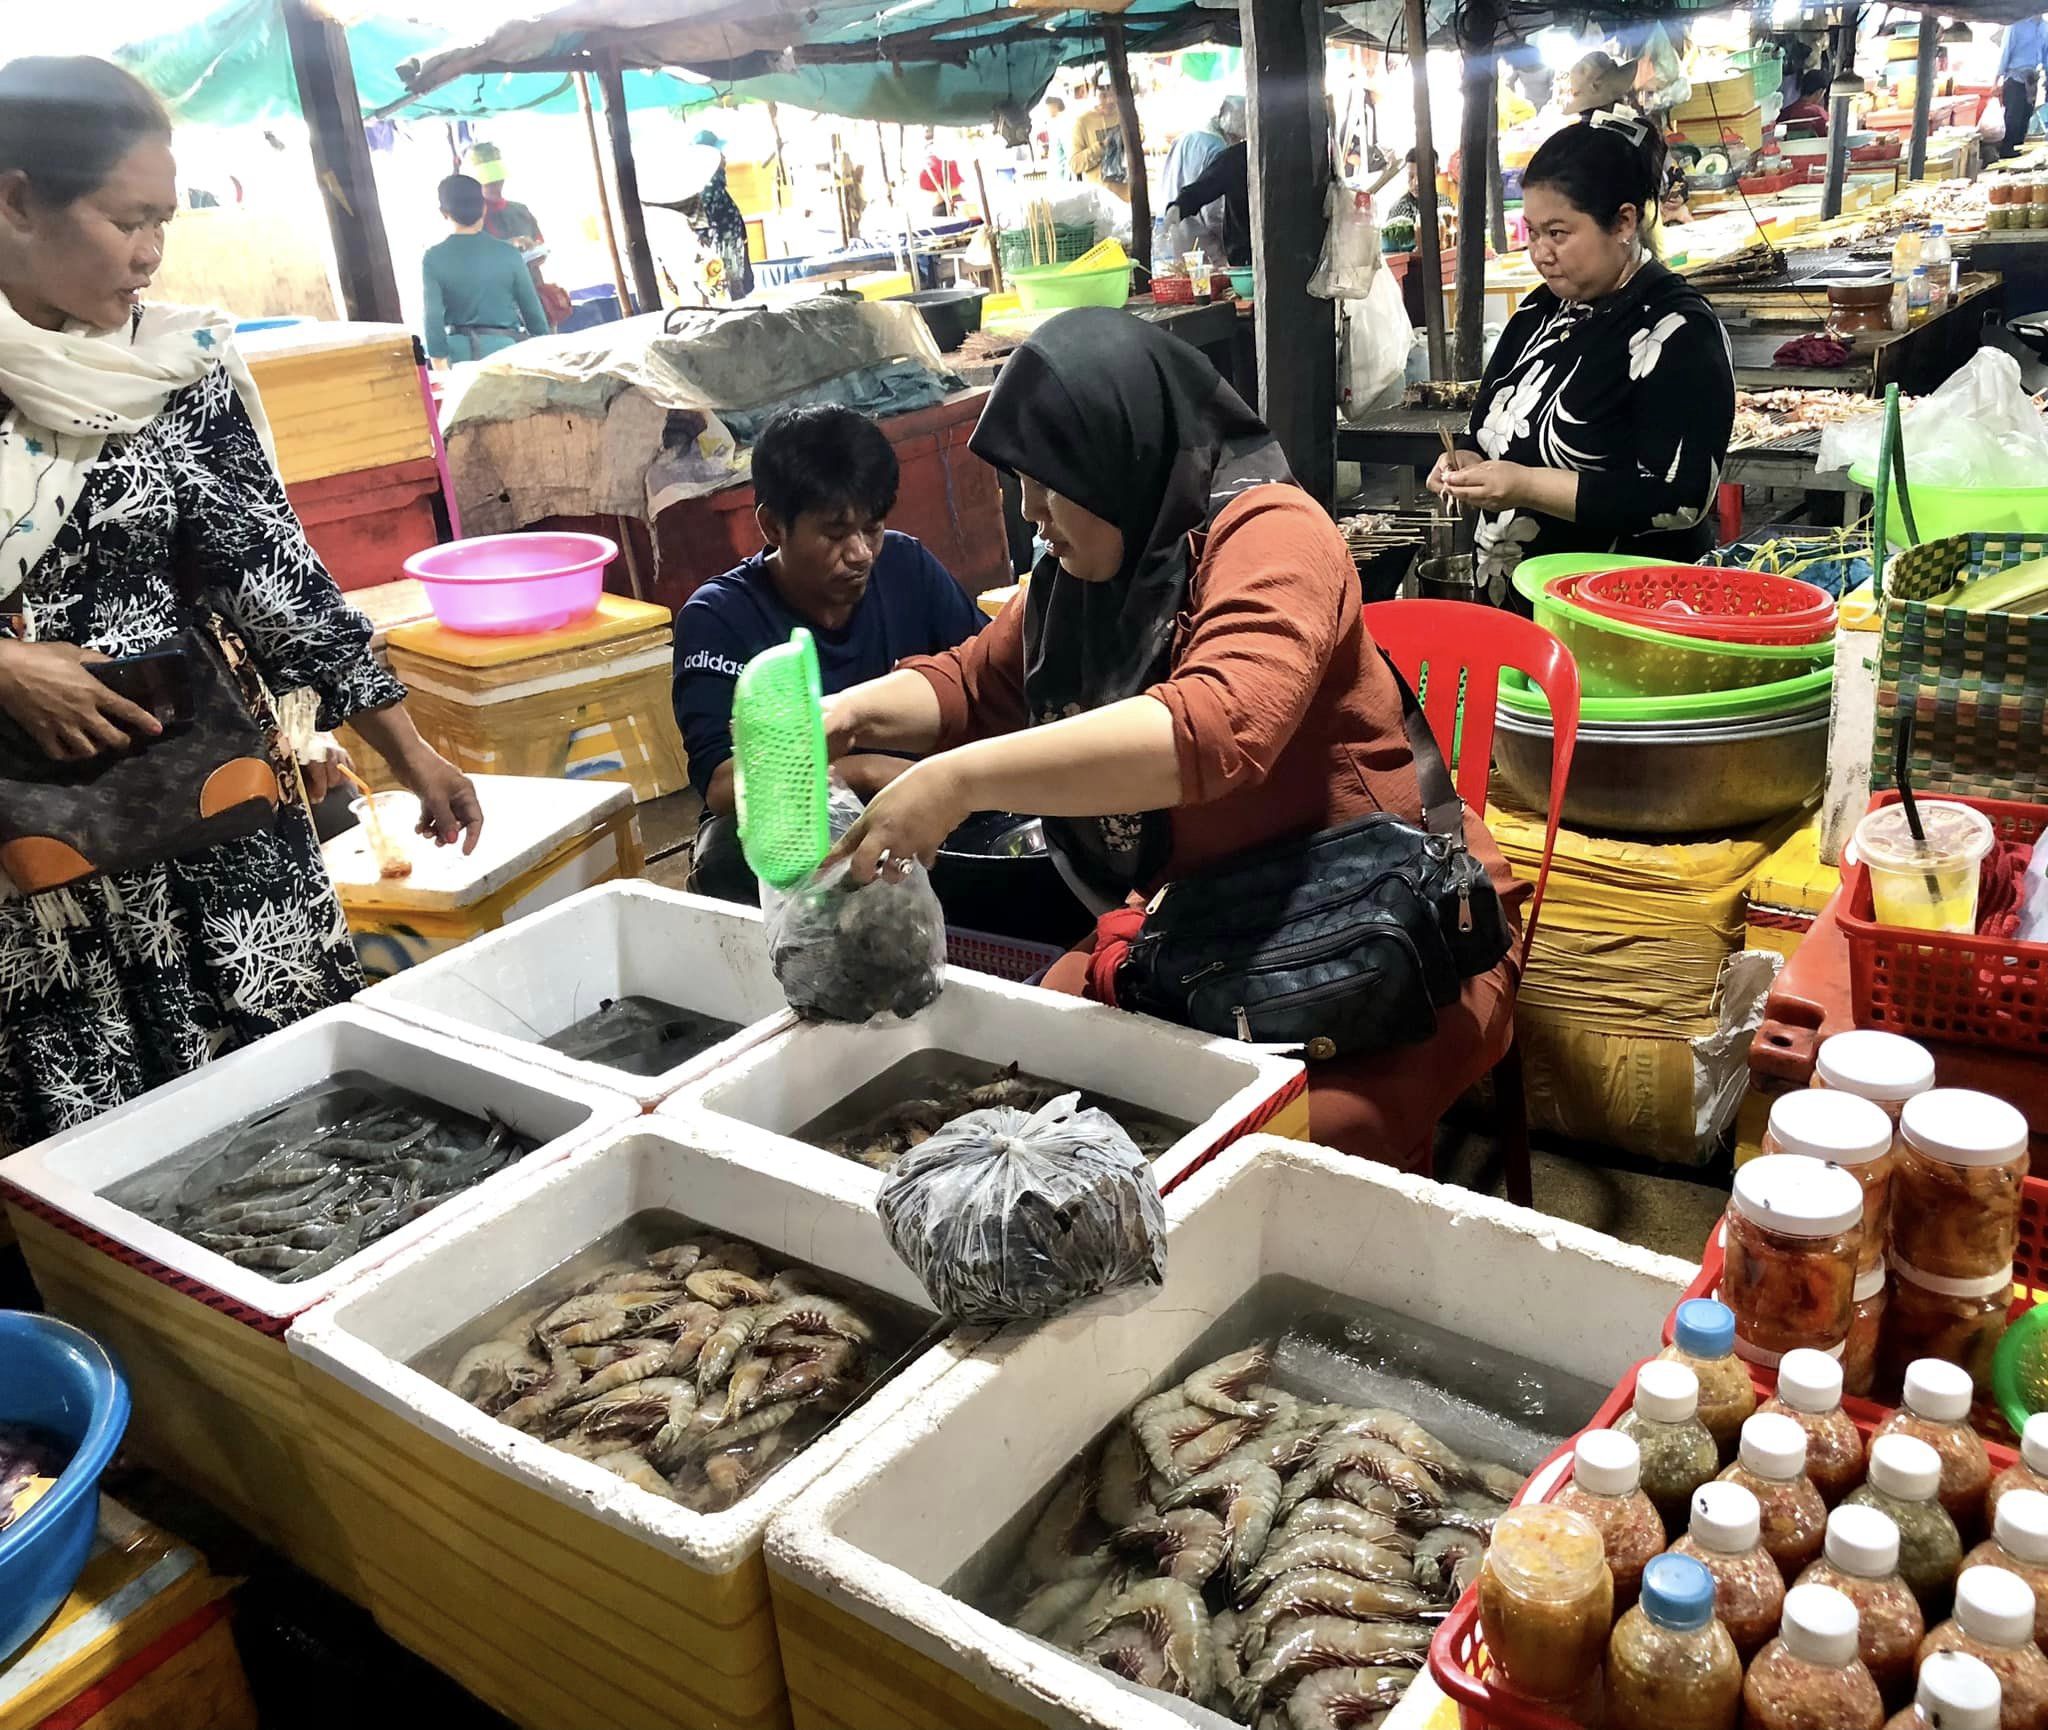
point(778, 762)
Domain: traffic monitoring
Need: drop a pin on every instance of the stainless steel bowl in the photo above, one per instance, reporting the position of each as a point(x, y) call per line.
point(1648, 780)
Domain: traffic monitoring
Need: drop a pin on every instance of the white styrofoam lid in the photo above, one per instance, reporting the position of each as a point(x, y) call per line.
point(1822, 1123)
point(1963, 1127)
point(1607, 1463)
point(1938, 1389)
point(1904, 1468)
point(1667, 1392)
point(1863, 1541)
point(1726, 1518)
point(1820, 1625)
point(1810, 1381)
point(1996, 1606)
point(1874, 1065)
point(2034, 1444)
point(2021, 1526)
point(1773, 1446)
point(1800, 1197)
point(1958, 1692)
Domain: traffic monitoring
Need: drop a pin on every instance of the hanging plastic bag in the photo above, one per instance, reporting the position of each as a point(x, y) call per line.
point(1661, 83)
point(1980, 429)
point(846, 954)
point(1375, 341)
point(1008, 1216)
point(1351, 246)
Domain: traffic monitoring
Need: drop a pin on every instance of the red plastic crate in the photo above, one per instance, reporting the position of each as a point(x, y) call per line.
point(1945, 986)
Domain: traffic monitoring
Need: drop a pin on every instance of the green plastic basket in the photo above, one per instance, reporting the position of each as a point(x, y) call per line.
point(1748, 702)
point(1532, 574)
point(1617, 660)
point(1052, 287)
point(779, 767)
point(1069, 241)
point(1942, 511)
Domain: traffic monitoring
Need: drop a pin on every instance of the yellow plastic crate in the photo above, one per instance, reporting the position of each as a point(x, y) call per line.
point(352, 403)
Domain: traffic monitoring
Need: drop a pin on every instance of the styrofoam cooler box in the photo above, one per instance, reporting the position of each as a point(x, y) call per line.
point(202, 1339)
point(559, 1593)
point(525, 983)
point(870, 1637)
point(1225, 1090)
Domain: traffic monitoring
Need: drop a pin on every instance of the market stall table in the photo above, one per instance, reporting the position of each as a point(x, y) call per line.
point(1213, 326)
point(1916, 360)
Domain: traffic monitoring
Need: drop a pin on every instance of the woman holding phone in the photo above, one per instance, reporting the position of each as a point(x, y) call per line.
point(138, 500)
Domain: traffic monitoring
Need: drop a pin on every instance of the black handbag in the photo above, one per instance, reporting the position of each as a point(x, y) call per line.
point(200, 782)
point(1345, 943)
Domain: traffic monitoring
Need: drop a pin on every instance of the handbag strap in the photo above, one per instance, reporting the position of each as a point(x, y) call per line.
point(1443, 812)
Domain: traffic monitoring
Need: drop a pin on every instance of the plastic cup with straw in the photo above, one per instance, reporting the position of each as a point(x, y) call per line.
point(1923, 858)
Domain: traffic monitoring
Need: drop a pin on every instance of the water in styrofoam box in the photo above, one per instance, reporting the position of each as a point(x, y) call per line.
point(1490, 1406)
point(640, 1035)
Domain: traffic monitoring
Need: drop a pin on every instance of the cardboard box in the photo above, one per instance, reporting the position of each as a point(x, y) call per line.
point(871, 1638)
point(559, 1593)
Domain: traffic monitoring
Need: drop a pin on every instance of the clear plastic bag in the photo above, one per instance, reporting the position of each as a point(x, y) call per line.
point(1351, 247)
point(1009, 1216)
point(1980, 429)
point(846, 954)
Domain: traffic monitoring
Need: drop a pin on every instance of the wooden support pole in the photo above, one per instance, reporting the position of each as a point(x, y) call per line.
point(341, 162)
point(1496, 199)
point(1838, 121)
point(1134, 141)
point(1290, 169)
point(632, 216)
point(1923, 94)
point(604, 197)
point(1429, 253)
point(1475, 34)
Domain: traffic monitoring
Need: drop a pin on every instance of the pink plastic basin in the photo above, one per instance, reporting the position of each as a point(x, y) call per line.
point(499, 585)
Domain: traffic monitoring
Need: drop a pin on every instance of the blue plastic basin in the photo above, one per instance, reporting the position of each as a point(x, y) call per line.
point(61, 1379)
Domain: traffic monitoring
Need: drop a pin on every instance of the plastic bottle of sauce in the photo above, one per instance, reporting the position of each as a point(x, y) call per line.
point(1670, 1664)
point(1956, 1692)
point(1930, 1316)
point(1956, 1183)
point(1546, 1601)
point(1677, 1453)
point(1703, 1340)
point(1794, 1227)
point(1994, 1622)
point(1937, 1412)
point(1862, 1563)
point(2019, 1544)
point(1905, 1473)
point(1810, 1678)
point(1606, 1486)
point(1810, 1394)
point(1836, 1126)
point(1866, 1329)
point(1772, 1468)
point(1749, 1591)
point(1919, 296)
point(2028, 1472)
point(1885, 1068)
point(1937, 261)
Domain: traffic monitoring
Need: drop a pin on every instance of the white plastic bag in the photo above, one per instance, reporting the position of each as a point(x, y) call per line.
point(1013, 1216)
point(846, 954)
point(1375, 339)
point(1980, 429)
point(1351, 246)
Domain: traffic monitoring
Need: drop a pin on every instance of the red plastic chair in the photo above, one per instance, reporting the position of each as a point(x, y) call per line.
point(1454, 649)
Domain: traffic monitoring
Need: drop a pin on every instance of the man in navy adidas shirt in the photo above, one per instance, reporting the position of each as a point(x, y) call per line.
point(825, 480)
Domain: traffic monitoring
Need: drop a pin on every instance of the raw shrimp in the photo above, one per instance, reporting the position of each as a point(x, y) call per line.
point(647, 1361)
point(1313, 1643)
point(1403, 1432)
point(1308, 1590)
point(561, 1382)
point(1058, 1601)
point(1370, 1460)
point(631, 1466)
point(1055, 1549)
point(724, 1287)
point(1218, 1441)
point(1220, 1387)
point(1326, 1549)
point(810, 1313)
point(1187, 1544)
point(722, 1347)
point(1162, 1424)
point(1334, 1514)
point(1447, 1560)
point(1250, 1495)
point(492, 1371)
point(1174, 1617)
point(584, 1321)
point(1120, 1480)
point(1347, 1699)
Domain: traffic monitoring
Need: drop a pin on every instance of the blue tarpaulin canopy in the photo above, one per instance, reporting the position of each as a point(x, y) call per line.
point(233, 67)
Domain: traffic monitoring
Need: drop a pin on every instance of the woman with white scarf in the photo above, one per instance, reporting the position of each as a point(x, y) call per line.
point(137, 499)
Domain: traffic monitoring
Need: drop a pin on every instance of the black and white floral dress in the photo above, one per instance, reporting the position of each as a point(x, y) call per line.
point(129, 980)
point(1636, 392)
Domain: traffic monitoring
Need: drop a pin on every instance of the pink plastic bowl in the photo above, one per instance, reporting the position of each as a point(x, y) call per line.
point(499, 585)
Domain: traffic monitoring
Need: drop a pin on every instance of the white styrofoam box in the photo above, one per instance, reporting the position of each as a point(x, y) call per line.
point(877, 1538)
point(367, 1336)
point(513, 988)
point(1224, 1089)
point(67, 1174)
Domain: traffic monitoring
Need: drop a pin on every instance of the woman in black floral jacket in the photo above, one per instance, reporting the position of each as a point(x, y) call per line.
point(1602, 423)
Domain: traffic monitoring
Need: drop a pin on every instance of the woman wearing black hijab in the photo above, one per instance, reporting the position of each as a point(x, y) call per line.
point(1186, 677)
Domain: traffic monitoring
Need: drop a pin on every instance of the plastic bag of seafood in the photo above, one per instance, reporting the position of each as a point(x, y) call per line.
point(1012, 1216)
point(846, 954)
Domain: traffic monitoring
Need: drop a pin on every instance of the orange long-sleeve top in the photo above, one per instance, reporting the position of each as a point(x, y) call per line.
point(1286, 719)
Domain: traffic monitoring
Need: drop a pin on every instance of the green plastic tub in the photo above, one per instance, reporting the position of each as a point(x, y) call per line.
point(1747, 703)
point(1939, 511)
point(1532, 574)
point(1617, 660)
point(1054, 287)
